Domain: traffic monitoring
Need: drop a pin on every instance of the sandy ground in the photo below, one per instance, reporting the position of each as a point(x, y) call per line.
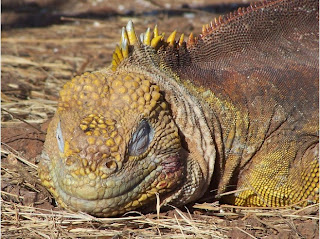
point(44, 44)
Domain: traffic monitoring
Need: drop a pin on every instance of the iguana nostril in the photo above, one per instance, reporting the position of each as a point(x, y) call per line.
point(112, 165)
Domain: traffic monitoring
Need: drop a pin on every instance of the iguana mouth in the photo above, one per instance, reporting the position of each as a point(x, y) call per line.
point(119, 192)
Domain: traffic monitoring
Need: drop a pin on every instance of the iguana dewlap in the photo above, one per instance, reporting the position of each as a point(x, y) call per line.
point(236, 108)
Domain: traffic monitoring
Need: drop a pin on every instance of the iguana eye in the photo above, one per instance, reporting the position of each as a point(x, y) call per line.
point(141, 139)
point(60, 138)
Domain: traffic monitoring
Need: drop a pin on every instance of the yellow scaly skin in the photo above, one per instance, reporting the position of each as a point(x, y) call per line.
point(94, 166)
point(124, 134)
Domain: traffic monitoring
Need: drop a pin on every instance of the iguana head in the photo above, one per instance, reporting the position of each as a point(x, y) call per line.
point(113, 143)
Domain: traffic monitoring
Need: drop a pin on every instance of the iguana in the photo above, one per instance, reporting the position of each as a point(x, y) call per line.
point(235, 108)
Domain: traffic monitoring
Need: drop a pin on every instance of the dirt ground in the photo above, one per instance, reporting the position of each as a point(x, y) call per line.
point(47, 42)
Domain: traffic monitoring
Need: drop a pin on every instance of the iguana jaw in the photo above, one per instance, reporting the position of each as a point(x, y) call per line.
point(117, 194)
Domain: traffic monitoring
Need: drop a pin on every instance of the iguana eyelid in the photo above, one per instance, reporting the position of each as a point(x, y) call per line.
point(59, 137)
point(141, 139)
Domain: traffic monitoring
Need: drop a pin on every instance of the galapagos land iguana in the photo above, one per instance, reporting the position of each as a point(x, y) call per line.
point(236, 108)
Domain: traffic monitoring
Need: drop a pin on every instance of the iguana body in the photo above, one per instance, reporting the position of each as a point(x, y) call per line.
point(236, 108)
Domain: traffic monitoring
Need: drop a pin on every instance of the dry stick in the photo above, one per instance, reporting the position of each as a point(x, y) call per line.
point(20, 158)
point(246, 233)
point(164, 225)
point(232, 192)
point(19, 118)
point(187, 220)
point(284, 207)
point(265, 223)
point(304, 208)
point(47, 73)
point(293, 227)
point(72, 19)
point(206, 206)
point(50, 40)
point(11, 195)
point(158, 206)
point(180, 228)
point(155, 3)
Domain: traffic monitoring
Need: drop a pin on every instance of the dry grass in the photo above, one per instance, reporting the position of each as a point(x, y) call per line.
point(29, 223)
point(211, 221)
point(19, 220)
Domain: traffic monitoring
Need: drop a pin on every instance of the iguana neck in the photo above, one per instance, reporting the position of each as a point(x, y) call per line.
point(229, 122)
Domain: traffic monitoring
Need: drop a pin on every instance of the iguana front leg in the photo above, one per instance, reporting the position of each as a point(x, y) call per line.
point(283, 172)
